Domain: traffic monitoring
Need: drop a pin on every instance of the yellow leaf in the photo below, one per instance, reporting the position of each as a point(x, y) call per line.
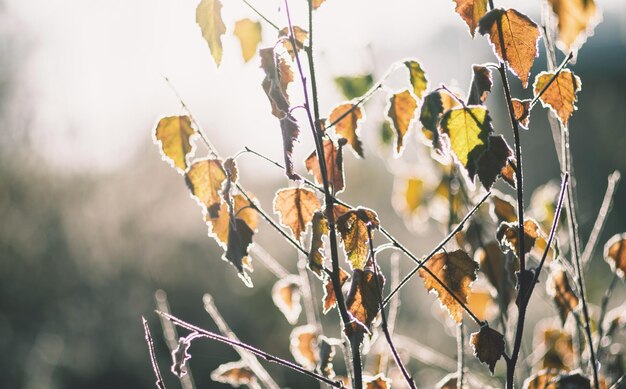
point(295, 208)
point(488, 345)
point(457, 271)
point(560, 95)
point(352, 226)
point(471, 11)
point(480, 303)
point(513, 37)
point(317, 3)
point(218, 226)
point(401, 113)
point(209, 18)
point(173, 134)
point(559, 348)
point(417, 77)
point(205, 178)
point(468, 129)
point(249, 35)
point(348, 126)
point(577, 19)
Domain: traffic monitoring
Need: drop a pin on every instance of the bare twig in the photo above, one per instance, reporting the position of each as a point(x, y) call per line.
point(269, 261)
point(261, 15)
point(155, 366)
point(394, 306)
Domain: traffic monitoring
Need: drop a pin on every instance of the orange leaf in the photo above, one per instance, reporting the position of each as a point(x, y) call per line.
point(235, 374)
point(205, 178)
point(352, 226)
point(559, 348)
point(295, 208)
point(348, 126)
point(333, 156)
point(330, 299)
point(218, 226)
point(513, 37)
point(488, 345)
point(363, 298)
point(300, 36)
point(559, 289)
point(509, 240)
point(303, 346)
point(401, 113)
point(457, 271)
point(521, 109)
point(560, 95)
point(471, 11)
point(286, 296)
point(615, 254)
point(577, 19)
point(379, 381)
point(173, 134)
point(502, 207)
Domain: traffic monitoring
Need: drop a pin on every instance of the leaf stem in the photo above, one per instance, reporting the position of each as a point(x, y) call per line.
point(260, 353)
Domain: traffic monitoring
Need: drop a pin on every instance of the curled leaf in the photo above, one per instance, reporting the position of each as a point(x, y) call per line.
point(209, 18)
point(457, 271)
point(316, 251)
point(249, 34)
point(401, 113)
point(348, 126)
point(363, 299)
point(488, 346)
point(290, 131)
point(615, 254)
point(300, 36)
point(219, 226)
point(304, 347)
point(239, 239)
point(295, 208)
point(286, 296)
point(434, 106)
point(513, 37)
point(352, 226)
point(174, 134)
point(204, 179)
point(560, 95)
point(278, 75)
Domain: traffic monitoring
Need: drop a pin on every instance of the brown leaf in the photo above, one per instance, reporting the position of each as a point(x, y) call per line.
point(286, 296)
point(471, 11)
point(508, 173)
point(559, 350)
point(521, 109)
point(560, 95)
point(204, 179)
point(249, 34)
point(218, 226)
point(209, 18)
point(295, 208)
point(493, 160)
point(509, 240)
point(559, 289)
point(457, 271)
point(348, 127)
point(577, 19)
point(499, 272)
point(615, 254)
point(540, 380)
point(173, 134)
point(333, 156)
point(363, 298)
point(277, 77)
point(326, 355)
point(401, 113)
point(513, 37)
point(572, 380)
point(303, 346)
point(239, 239)
point(317, 3)
point(352, 226)
point(300, 36)
point(480, 85)
point(330, 299)
point(290, 131)
point(235, 374)
point(502, 207)
point(488, 345)
point(379, 381)
point(316, 251)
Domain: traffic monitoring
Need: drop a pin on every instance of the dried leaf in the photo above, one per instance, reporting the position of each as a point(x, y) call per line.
point(513, 37)
point(468, 129)
point(352, 226)
point(540, 380)
point(330, 299)
point(286, 296)
point(508, 173)
point(417, 76)
point(615, 254)
point(249, 34)
point(290, 131)
point(480, 85)
point(379, 381)
point(521, 109)
point(278, 75)
point(239, 239)
point(295, 208)
point(471, 11)
point(218, 226)
point(174, 134)
point(354, 86)
point(204, 179)
point(333, 156)
point(559, 348)
point(300, 36)
point(493, 161)
point(499, 272)
point(577, 19)
point(209, 18)
point(316, 251)
point(502, 208)
point(401, 113)
point(303, 346)
point(363, 298)
point(509, 240)
point(457, 271)
point(559, 289)
point(560, 95)
point(434, 106)
point(326, 355)
point(488, 345)
point(348, 127)
point(235, 374)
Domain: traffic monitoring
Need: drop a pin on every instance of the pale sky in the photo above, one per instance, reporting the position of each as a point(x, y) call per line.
point(93, 74)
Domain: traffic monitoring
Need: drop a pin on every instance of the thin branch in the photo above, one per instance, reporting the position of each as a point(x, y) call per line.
point(269, 261)
point(598, 226)
point(425, 354)
point(155, 366)
point(394, 352)
point(460, 357)
point(617, 383)
point(246, 356)
point(260, 353)
point(261, 15)
point(393, 307)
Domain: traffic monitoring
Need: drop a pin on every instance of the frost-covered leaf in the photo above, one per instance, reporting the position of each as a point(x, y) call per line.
point(434, 106)
point(249, 34)
point(235, 374)
point(316, 251)
point(471, 11)
point(290, 132)
point(493, 160)
point(417, 77)
point(348, 126)
point(286, 295)
point(401, 113)
point(304, 347)
point(239, 240)
point(295, 208)
point(457, 271)
point(204, 179)
point(218, 226)
point(513, 37)
point(379, 381)
point(352, 226)
point(330, 298)
point(521, 109)
point(174, 134)
point(560, 96)
point(615, 254)
point(488, 346)
point(278, 75)
point(209, 18)
point(333, 156)
point(300, 36)
point(509, 240)
point(363, 298)
point(468, 129)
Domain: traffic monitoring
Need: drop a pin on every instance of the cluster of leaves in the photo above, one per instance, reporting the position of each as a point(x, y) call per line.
point(481, 273)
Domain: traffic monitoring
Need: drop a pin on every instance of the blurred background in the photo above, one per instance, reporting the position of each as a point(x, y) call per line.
point(92, 222)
